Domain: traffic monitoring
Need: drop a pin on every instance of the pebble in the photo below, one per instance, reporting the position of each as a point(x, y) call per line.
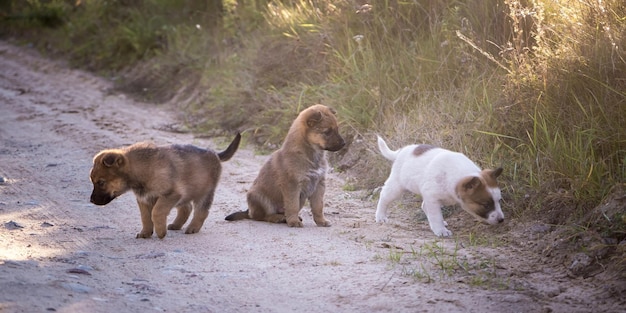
point(11, 225)
point(621, 247)
point(580, 262)
point(174, 268)
point(151, 255)
point(540, 228)
point(551, 291)
point(513, 298)
point(81, 253)
point(76, 287)
point(14, 264)
point(85, 267)
point(78, 271)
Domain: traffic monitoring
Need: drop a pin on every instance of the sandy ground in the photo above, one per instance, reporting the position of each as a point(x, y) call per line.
point(60, 253)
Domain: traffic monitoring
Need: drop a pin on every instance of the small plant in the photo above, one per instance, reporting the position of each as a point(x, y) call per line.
point(418, 273)
point(479, 239)
point(395, 255)
point(437, 258)
point(478, 281)
point(348, 187)
point(334, 263)
point(416, 254)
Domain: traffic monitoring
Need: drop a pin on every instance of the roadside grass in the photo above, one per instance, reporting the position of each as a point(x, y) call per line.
point(441, 260)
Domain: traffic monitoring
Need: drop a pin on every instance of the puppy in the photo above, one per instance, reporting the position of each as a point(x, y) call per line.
point(295, 172)
point(181, 176)
point(442, 177)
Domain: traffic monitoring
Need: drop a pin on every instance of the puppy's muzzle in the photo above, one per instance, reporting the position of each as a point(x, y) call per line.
point(494, 218)
point(336, 144)
point(100, 198)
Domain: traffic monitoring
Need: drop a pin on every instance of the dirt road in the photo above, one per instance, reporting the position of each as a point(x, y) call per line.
point(60, 253)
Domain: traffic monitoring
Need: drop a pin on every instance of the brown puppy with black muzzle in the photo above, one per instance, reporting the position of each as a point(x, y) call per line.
point(181, 176)
point(296, 172)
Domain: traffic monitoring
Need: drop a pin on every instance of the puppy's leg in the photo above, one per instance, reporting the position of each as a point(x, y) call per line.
point(161, 209)
point(259, 209)
point(200, 213)
point(317, 204)
point(390, 192)
point(432, 208)
point(183, 214)
point(275, 218)
point(292, 206)
point(145, 208)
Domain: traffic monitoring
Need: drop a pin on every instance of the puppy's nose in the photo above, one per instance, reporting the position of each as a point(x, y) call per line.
point(500, 220)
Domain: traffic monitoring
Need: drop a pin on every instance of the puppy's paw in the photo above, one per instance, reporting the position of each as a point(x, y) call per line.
point(174, 227)
point(161, 235)
point(323, 223)
point(191, 230)
point(294, 222)
point(144, 235)
point(443, 232)
point(381, 219)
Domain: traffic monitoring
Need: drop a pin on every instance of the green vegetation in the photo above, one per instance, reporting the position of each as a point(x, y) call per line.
point(535, 86)
point(436, 260)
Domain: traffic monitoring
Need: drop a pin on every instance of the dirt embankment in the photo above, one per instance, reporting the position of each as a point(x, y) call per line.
point(59, 253)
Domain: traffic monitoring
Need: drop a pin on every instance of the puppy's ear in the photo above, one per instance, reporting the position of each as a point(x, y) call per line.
point(471, 183)
point(314, 119)
point(495, 173)
point(333, 111)
point(112, 159)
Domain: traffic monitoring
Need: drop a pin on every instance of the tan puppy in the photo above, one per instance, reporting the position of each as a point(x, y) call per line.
point(161, 178)
point(296, 172)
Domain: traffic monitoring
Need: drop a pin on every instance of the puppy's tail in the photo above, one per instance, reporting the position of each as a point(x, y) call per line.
point(241, 215)
point(385, 151)
point(230, 151)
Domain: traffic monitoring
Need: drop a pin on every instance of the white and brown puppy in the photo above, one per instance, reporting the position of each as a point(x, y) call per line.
point(442, 177)
point(296, 172)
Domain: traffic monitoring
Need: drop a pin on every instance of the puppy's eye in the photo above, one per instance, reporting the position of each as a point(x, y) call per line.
point(328, 131)
point(101, 183)
point(489, 204)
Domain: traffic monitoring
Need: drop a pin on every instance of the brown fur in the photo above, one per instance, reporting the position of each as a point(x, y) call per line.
point(181, 176)
point(296, 172)
point(422, 149)
point(474, 194)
